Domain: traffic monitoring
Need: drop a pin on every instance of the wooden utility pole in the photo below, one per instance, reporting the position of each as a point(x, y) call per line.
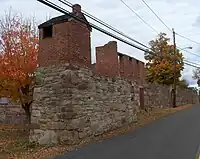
point(174, 69)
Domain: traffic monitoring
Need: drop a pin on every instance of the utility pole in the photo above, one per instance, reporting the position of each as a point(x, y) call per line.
point(174, 69)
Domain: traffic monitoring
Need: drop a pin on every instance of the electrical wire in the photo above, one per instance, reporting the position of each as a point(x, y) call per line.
point(56, 7)
point(166, 25)
point(160, 21)
point(139, 16)
point(156, 15)
point(188, 39)
point(103, 23)
point(189, 52)
point(109, 26)
point(191, 65)
point(192, 62)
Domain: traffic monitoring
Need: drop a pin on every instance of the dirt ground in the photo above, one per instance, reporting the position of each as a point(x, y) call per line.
point(14, 142)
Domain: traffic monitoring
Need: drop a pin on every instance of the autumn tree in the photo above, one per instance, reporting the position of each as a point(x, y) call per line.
point(18, 56)
point(160, 61)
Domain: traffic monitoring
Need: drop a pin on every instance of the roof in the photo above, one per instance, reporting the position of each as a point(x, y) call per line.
point(61, 19)
point(56, 20)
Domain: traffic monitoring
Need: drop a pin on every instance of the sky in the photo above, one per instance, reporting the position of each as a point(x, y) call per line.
point(182, 15)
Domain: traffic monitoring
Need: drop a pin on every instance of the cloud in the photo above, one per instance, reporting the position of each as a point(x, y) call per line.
point(197, 22)
point(179, 14)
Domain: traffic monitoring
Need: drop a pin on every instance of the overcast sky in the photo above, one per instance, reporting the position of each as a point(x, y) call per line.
point(183, 15)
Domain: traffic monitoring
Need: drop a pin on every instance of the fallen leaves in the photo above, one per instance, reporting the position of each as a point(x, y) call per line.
point(14, 140)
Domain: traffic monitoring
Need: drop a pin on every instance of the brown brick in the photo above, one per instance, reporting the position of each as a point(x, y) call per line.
point(135, 69)
point(141, 72)
point(70, 42)
point(126, 66)
point(106, 59)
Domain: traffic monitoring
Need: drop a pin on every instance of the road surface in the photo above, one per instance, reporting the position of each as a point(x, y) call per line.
point(174, 137)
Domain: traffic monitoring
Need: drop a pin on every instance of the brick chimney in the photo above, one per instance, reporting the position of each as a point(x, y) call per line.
point(76, 9)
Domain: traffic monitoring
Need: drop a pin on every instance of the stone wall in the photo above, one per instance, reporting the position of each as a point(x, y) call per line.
point(12, 114)
point(160, 96)
point(72, 103)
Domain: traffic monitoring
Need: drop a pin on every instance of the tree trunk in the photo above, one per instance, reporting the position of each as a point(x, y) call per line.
point(27, 110)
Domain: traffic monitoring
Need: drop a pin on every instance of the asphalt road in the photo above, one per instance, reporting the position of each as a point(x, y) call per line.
point(174, 137)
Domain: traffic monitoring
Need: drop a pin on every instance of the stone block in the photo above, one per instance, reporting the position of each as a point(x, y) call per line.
point(48, 137)
point(69, 137)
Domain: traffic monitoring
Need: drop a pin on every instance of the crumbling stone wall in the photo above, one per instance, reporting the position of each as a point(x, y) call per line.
point(160, 96)
point(74, 99)
point(12, 114)
point(72, 103)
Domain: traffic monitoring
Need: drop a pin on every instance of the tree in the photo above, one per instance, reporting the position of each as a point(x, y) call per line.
point(160, 63)
point(194, 89)
point(18, 60)
point(196, 76)
point(183, 83)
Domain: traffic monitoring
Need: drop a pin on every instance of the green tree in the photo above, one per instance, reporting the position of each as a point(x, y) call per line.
point(160, 63)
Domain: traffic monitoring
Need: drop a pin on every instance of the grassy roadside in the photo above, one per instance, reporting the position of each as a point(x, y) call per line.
point(14, 140)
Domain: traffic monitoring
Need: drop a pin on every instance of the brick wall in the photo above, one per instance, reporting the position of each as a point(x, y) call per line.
point(69, 42)
point(53, 50)
point(141, 72)
point(126, 66)
point(107, 60)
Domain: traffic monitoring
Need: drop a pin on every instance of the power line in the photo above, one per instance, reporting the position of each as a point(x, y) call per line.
point(190, 52)
point(56, 7)
point(103, 23)
point(157, 16)
point(159, 20)
point(192, 62)
point(107, 25)
point(191, 65)
point(166, 25)
point(139, 16)
point(188, 39)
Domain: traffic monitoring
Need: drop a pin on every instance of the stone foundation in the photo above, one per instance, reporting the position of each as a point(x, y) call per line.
point(73, 103)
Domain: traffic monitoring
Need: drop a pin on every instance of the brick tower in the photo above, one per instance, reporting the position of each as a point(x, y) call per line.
point(64, 39)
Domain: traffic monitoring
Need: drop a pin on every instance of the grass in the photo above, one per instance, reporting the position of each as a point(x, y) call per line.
point(14, 142)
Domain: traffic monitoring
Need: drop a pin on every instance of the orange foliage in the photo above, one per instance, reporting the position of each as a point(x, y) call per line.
point(18, 59)
point(160, 64)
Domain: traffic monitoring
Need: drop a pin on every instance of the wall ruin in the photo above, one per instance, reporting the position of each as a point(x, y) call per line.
point(73, 103)
point(74, 99)
point(12, 114)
